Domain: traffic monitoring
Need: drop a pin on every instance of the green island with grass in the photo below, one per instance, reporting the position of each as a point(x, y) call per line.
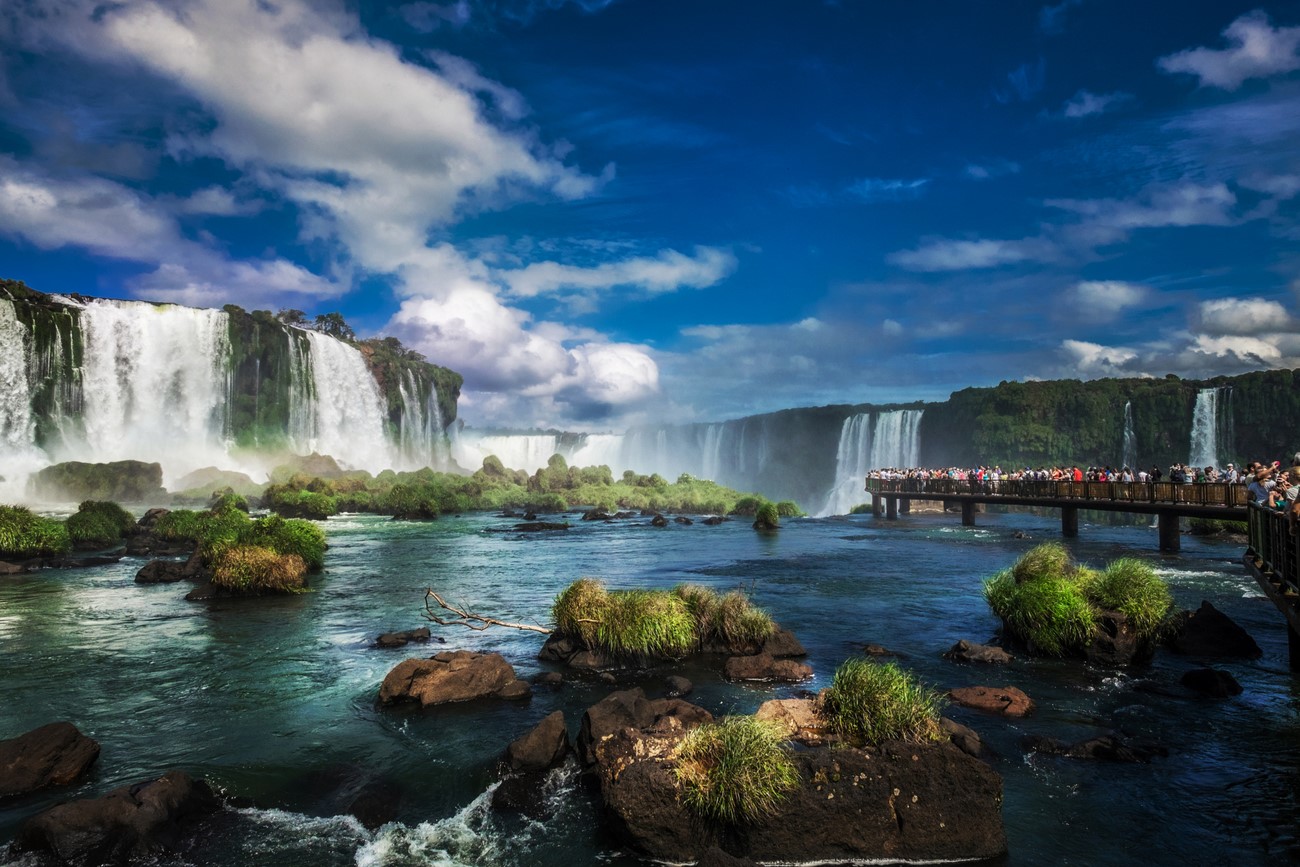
point(1053, 605)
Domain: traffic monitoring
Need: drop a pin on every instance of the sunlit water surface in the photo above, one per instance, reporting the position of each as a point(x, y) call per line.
point(258, 695)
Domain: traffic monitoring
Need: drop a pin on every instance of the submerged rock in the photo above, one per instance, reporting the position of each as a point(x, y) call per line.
point(1108, 747)
point(1208, 632)
point(676, 686)
point(765, 667)
point(401, 639)
point(162, 572)
point(123, 826)
point(1115, 643)
point(969, 651)
point(1211, 682)
point(451, 676)
point(52, 755)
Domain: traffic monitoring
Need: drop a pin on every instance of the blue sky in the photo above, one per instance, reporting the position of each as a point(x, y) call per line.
point(605, 212)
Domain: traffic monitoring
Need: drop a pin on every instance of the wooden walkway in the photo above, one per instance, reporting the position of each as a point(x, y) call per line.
point(1273, 558)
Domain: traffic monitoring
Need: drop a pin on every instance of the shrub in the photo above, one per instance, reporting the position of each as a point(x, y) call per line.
point(180, 525)
point(579, 608)
point(736, 770)
point(789, 509)
point(24, 535)
point(98, 524)
point(1132, 587)
point(870, 702)
point(302, 504)
point(409, 503)
point(253, 569)
point(1048, 560)
point(767, 517)
point(1050, 613)
point(287, 536)
point(747, 506)
point(228, 499)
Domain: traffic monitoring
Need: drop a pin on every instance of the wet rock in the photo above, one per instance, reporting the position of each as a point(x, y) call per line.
point(1004, 700)
point(797, 717)
point(659, 521)
point(783, 643)
point(969, 651)
point(56, 754)
point(630, 709)
point(763, 666)
point(714, 520)
point(624, 514)
point(683, 520)
point(1208, 632)
point(963, 738)
point(557, 648)
point(715, 857)
point(1115, 643)
point(352, 790)
point(540, 526)
point(7, 568)
point(543, 747)
point(591, 660)
point(162, 572)
point(552, 679)
point(596, 515)
point(451, 676)
point(607, 678)
point(676, 686)
point(879, 650)
point(204, 591)
point(1108, 747)
point(125, 825)
point(1211, 682)
point(401, 639)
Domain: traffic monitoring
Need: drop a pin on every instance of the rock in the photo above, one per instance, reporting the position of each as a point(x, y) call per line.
point(596, 515)
point(630, 709)
point(963, 738)
point(557, 648)
point(549, 678)
point(401, 639)
point(119, 481)
point(353, 790)
point(1211, 682)
point(676, 686)
point(516, 690)
point(607, 678)
point(456, 675)
point(782, 643)
point(659, 521)
point(1108, 747)
point(797, 717)
point(624, 515)
point(900, 802)
point(714, 520)
point(763, 666)
point(879, 650)
point(75, 562)
point(591, 660)
point(56, 754)
point(1005, 701)
point(150, 517)
point(530, 515)
point(204, 591)
point(543, 747)
point(1208, 632)
point(1115, 643)
point(969, 651)
point(314, 464)
point(7, 568)
point(540, 526)
point(162, 572)
point(715, 857)
point(683, 520)
point(124, 826)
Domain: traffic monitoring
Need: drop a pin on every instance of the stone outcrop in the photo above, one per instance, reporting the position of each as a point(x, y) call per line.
point(1115, 643)
point(768, 660)
point(163, 572)
point(1209, 633)
point(1107, 747)
point(545, 746)
point(969, 651)
point(451, 676)
point(798, 718)
point(401, 639)
point(52, 755)
point(119, 481)
point(765, 667)
point(1003, 700)
point(123, 826)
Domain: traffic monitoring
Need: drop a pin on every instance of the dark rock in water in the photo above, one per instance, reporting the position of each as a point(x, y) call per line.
point(782, 643)
point(596, 515)
point(624, 515)
point(648, 513)
point(204, 591)
point(880, 650)
point(1108, 747)
point(540, 526)
point(549, 678)
point(659, 521)
point(162, 572)
point(557, 648)
point(119, 481)
point(509, 513)
point(52, 755)
point(7, 568)
point(683, 520)
point(542, 748)
point(1115, 643)
point(763, 666)
point(1004, 701)
point(126, 825)
point(454, 675)
point(1208, 632)
point(715, 857)
point(607, 678)
point(401, 639)
point(963, 738)
point(530, 515)
point(676, 686)
point(900, 802)
point(631, 709)
point(75, 562)
point(1211, 682)
point(353, 790)
point(714, 520)
point(1021, 534)
point(969, 651)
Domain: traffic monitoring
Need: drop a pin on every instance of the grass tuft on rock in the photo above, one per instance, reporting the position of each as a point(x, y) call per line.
point(645, 624)
point(871, 702)
point(287, 536)
point(98, 524)
point(1131, 586)
point(254, 569)
point(1048, 560)
point(24, 535)
point(737, 770)
point(579, 608)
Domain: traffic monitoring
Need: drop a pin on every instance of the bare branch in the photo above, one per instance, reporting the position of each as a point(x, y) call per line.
point(469, 619)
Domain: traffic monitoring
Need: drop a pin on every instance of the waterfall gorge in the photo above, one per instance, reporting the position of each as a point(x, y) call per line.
point(1212, 434)
point(1128, 448)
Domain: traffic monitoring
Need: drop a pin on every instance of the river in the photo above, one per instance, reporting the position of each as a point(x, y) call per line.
point(264, 696)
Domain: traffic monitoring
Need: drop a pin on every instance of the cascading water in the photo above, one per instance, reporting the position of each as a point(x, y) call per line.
point(346, 414)
point(528, 452)
point(851, 466)
point(1211, 427)
point(897, 439)
point(1128, 451)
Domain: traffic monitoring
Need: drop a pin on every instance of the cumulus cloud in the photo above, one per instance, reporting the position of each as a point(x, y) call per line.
point(1243, 316)
point(953, 255)
point(1182, 204)
point(1093, 360)
point(1085, 103)
point(1256, 49)
point(667, 272)
point(1103, 300)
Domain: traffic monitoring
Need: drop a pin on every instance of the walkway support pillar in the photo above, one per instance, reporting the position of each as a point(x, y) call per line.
point(877, 506)
point(891, 508)
point(1170, 531)
point(1070, 522)
point(905, 505)
point(1293, 645)
point(967, 513)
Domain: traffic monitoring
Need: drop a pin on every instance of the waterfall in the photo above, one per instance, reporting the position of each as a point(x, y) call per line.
point(897, 439)
point(421, 441)
point(528, 452)
point(17, 427)
point(346, 415)
point(1128, 452)
point(851, 466)
point(1211, 427)
point(600, 450)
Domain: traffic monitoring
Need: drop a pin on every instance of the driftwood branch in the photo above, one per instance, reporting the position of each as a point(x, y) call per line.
point(469, 619)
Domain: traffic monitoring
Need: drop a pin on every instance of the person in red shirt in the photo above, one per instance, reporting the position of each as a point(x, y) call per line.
point(1078, 474)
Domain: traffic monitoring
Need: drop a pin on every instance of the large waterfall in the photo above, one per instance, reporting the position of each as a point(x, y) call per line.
point(100, 380)
point(1212, 432)
point(1128, 449)
point(894, 440)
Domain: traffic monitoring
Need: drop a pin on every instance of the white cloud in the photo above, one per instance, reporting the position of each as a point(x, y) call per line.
point(1103, 300)
point(217, 202)
point(1085, 103)
point(428, 17)
point(886, 189)
point(950, 255)
point(667, 272)
point(1243, 316)
point(1093, 360)
point(1183, 204)
point(1256, 49)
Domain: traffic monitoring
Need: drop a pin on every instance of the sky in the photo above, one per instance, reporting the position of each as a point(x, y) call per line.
point(613, 212)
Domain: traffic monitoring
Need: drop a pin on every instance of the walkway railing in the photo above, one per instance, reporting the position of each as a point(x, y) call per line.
point(1202, 494)
point(1276, 541)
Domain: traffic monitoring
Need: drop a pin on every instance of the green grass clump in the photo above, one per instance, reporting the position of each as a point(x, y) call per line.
point(735, 771)
point(729, 619)
point(1048, 560)
point(1050, 613)
point(871, 702)
point(646, 624)
point(767, 517)
point(579, 608)
point(1131, 586)
point(181, 525)
point(789, 509)
point(291, 503)
point(253, 569)
point(24, 535)
point(98, 524)
point(295, 536)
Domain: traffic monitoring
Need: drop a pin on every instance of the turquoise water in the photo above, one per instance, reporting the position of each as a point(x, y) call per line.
point(257, 695)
